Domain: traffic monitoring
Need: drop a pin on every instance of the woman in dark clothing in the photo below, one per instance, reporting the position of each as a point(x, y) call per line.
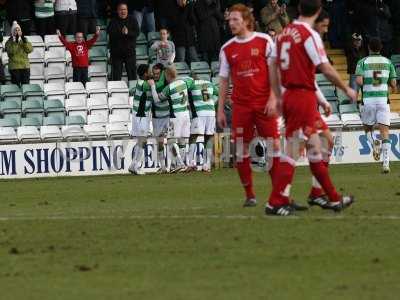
point(208, 18)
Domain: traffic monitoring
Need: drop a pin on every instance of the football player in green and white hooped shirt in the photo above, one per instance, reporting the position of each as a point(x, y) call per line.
point(160, 116)
point(203, 96)
point(375, 73)
point(141, 117)
point(176, 92)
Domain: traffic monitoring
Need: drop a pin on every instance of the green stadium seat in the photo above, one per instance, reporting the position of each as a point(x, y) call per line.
point(102, 23)
point(322, 80)
point(141, 39)
point(200, 67)
point(10, 91)
point(98, 54)
point(16, 117)
point(32, 90)
point(54, 120)
point(395, 59)
point(343, 98)
point(32, 106)
point(11, 106)
point(141, 52)
point(204, 77)
point(152, 55)
point(101, 40)
point(348, 108)
point(182, 68)
point(53, 105)
point(9, 122)
point(153, 36)
point(75, 120)
point(31, 121)
point(334, 105)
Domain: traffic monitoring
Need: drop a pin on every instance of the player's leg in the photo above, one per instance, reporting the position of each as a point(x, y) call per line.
point(191, 162)
point(327, 146)
point(209, 132)
point(242, 134)
point(368, 116)
point(138, 156)
point(183, 141)
point(160, 130)
point(383, 120)
point(319, 169)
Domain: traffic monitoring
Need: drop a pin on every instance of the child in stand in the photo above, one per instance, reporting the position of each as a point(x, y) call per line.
point(165, 49)
point(80, 54)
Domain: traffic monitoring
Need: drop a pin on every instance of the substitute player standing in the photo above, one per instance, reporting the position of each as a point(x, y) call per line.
point(299, 51)
point(375, 73)
point(246, 59)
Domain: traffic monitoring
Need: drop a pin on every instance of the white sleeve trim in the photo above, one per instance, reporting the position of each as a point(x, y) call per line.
point(315, 49)
point(224, 68)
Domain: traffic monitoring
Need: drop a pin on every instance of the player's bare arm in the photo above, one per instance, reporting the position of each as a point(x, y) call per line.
point(330, 73)
point(223, 90)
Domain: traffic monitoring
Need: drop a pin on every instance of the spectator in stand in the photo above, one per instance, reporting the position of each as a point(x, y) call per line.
point(183, 33)
point(123, 31)
point(18, 48)
point(2, 75)
point(165, 49)
point(395, 9)
point(143, 11)
point(209, 18)
point(164, 12)
point(354, 53)
point(376, 23)
point(87, 16)
point(22, 12)
point(79, 50)
point(274, 17)
point(65, 16)
point(44, 17)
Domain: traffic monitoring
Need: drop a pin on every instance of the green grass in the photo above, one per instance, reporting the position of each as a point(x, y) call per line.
point(187, 237)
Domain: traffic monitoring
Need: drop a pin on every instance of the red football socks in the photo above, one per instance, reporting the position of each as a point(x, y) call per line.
point(246, 176)
point(320, 172)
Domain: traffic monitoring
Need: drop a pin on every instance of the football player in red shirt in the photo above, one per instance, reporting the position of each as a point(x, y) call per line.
point(246, 59)
point(299, 52)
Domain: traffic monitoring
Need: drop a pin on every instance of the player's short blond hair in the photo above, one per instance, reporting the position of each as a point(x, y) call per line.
point(171, 72)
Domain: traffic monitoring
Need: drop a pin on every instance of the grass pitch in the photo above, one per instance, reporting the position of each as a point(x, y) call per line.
point(187, 237)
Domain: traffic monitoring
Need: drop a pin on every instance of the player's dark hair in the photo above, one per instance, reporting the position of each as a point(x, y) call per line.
point(164, 28)
point(375, 45)
point(159, 66)
point(142, 70)
point(322, 16)
point(309, 8)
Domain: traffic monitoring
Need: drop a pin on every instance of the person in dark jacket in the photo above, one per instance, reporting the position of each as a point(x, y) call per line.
point(182, 31)
point(123, 31)
point(143, 10)
point(87, 15)
point(208, 18)
point(354, 52)
point(22, 12)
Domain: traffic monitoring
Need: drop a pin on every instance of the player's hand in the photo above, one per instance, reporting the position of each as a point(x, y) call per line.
point(352, 94)
point(221, 118)
point(151, 82)
point(58, 32)
point(97, 30)
point(327, 109)
point(271, 108)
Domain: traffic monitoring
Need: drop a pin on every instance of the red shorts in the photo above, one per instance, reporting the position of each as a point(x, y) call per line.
point(320, 123)
point(247, 118)
point(300, 112)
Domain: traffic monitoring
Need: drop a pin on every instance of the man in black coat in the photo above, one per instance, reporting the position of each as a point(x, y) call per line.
point(123, 31)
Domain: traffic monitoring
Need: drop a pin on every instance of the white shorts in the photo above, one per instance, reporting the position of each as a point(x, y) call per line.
point(160, 127)
point(377, 113)
point(203, 126)
point(140, 126)
point(179, 127)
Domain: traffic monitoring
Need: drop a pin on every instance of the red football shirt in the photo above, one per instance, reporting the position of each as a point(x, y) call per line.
point(79, 51)
point(246, 62)
point(299, 51)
